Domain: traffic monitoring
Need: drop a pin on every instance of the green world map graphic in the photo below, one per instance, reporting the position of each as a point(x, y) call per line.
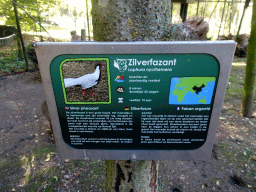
point(191, 90)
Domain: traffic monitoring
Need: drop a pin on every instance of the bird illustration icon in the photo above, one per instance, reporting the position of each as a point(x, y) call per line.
point(85, 81)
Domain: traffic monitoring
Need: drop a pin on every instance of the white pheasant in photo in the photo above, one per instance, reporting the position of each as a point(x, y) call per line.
point(85, 81)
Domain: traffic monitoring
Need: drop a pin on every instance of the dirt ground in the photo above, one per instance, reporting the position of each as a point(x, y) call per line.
point(28, 159)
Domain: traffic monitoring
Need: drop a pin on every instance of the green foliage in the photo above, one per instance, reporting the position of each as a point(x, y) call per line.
point(6, 30)
point(33, 7)
point(11, 62)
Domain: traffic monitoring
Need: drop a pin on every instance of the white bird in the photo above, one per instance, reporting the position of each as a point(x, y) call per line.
point(85, 81)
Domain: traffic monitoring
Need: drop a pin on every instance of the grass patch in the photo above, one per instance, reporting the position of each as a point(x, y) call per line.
point(11, 60)
point(10, 163)
point(34, 172)
point(40, 171)
point(13, 64)
point(46, 179)
point(76, 163)
point(235, 85)
point(94, 174)
point(42, 152)
point(8, 168)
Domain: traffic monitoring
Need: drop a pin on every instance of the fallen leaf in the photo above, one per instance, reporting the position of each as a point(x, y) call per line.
point(253, 158)
point(48, 157)
point(232, 137)
point(66, 160)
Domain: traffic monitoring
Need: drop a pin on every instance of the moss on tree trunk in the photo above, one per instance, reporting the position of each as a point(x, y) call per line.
point(131, 20)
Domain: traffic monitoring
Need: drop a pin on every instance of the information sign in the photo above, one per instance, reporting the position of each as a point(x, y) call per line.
point(143, 100)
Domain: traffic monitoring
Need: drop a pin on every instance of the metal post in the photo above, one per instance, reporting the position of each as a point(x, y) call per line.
point(83, 35)
point(20, 35)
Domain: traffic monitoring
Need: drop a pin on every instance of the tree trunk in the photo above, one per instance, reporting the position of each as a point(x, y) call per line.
point(250, 75)
point(222, 18)
point(246, 4)
point(131, 176)
point(131, 20)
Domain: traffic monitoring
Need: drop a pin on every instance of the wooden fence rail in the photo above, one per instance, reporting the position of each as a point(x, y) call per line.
point(4, 41)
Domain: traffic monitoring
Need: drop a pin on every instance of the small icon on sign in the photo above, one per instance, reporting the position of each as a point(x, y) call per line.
point(119, 89)
point(120, 79)
point(120, 99)
point(126, 108)
point(178, 108)
point(66, 107)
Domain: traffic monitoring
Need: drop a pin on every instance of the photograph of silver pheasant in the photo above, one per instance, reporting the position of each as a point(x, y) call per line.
point(85, 81)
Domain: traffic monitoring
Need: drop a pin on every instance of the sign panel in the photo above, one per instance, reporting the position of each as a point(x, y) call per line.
point(145, 100)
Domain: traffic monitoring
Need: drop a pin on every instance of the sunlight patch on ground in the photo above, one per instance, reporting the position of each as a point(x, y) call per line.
point(28, 165)
point(239, 64)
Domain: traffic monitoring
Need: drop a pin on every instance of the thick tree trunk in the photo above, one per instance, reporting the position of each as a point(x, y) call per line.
point(250, 76)
point(131, 176)
point(131, 20)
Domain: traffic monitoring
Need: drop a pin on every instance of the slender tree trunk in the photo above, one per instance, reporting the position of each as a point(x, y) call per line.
point(250, 75)
point(222, 17)
point(213, 11)
point(230, 17)
point(87, 17)
point(246, 4)
point(131, 20)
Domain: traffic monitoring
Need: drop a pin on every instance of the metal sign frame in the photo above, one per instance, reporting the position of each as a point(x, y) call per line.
point(223, 51)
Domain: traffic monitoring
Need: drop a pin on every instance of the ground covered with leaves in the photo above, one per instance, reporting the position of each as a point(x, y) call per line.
point(29, 162)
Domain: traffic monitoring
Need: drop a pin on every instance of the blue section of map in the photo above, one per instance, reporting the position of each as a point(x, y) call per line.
point(191, 98)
